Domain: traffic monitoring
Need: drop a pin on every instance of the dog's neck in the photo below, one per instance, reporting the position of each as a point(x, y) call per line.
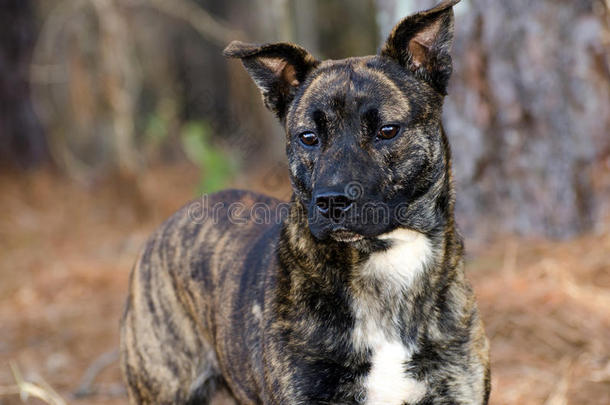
point(397, 258)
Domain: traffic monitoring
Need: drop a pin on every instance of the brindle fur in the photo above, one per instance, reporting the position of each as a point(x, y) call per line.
point(265, 309)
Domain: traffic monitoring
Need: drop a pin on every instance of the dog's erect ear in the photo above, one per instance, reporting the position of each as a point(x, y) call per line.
point(422, 44)
point(277, 69)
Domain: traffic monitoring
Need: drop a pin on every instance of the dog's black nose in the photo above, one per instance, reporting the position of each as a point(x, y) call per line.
point(333, 205)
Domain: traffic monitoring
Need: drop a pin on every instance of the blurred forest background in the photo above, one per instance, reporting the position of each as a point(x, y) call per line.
point(114, 113)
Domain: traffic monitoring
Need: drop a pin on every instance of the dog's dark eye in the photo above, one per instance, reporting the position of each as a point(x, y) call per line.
point(309, 138)
point(388, 131)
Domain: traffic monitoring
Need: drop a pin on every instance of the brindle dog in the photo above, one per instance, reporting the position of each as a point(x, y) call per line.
point(352, 293)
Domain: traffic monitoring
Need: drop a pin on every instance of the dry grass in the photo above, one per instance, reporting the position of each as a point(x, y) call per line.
point(547, 312)
point(66, 251)
point(26, 389)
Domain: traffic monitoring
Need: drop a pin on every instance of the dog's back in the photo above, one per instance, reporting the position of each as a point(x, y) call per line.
point(197, 271)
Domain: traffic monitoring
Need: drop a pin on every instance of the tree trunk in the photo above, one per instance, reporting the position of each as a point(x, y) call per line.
point(22, 141)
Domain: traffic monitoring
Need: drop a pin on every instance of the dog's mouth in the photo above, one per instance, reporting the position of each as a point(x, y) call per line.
point(345, 236)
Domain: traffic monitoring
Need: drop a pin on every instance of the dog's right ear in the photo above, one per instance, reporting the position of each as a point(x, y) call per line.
point(277, 69)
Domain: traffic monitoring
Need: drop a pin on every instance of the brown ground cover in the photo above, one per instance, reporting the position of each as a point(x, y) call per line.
point(66, 251)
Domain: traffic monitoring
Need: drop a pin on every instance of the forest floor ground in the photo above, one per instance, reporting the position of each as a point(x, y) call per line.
point(66, 251)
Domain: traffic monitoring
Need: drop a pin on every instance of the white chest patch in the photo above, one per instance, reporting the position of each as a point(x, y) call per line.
point(387, 382)
point(393, 270)
point(401, 264)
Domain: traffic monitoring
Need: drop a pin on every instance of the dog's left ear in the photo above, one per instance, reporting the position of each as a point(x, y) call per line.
point(277, 69)
point(422, 43)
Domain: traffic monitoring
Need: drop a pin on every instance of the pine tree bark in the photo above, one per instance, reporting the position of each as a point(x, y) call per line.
point(22, 141)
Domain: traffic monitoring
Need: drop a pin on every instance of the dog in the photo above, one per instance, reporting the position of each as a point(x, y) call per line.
point(351, 293)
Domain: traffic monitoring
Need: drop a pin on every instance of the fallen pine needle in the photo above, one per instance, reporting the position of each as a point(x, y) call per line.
point(26, 389)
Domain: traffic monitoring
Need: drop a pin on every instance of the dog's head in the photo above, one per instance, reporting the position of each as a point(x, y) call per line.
point(364, 137)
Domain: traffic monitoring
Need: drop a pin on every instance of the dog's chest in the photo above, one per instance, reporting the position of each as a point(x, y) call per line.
point(384, 280)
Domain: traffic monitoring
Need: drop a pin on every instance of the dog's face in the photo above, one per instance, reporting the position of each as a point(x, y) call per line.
point(364, 136)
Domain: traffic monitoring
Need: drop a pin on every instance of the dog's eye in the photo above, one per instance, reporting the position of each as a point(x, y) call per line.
point(309, 138)
point(388, 131)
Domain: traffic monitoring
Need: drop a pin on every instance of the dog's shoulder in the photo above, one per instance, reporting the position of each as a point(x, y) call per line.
point(228, 220)
point(226, 208)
